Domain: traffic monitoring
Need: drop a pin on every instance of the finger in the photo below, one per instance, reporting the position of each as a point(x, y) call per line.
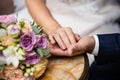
point(52, 41)
point(65, 39)
point(56, 50)
point(60, 52)
point(77, 37)
point(70, 35)
point(59, 41)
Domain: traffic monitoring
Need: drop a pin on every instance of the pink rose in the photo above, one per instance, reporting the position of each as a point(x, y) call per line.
point(7, 19)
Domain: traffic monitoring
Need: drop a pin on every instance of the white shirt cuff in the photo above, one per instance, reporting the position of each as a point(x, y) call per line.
point(96, 48)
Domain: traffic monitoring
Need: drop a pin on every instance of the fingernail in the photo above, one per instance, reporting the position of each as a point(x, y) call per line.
point(52, 42)
point(63, 47)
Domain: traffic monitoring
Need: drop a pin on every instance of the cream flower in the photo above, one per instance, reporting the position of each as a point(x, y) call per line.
point(26, 27)
point(2, 32)
point(7, 40)
point(13, 54)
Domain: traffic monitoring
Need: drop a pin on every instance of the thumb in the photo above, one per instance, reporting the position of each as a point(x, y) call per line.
point(75, 47)
point(76, 50)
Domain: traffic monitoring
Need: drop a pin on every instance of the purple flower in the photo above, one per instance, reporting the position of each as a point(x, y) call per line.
point(27, 41)
point(32, 58)
point(7, 19)
point(41, 41)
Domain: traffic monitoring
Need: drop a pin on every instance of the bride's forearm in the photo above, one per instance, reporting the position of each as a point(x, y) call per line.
point(63, 37)
point(42, 15)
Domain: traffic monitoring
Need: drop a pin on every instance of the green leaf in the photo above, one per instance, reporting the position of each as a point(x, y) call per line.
point(39, 50)
point(36, 30)
point(46, 52)
point(40, 28)
point(43, 52)
point(32, 23)
point(1, 65)
point(22, 23)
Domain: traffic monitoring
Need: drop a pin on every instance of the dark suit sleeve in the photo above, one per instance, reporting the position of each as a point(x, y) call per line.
point(109, 48)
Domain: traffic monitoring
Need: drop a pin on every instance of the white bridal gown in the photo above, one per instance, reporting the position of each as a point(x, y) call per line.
point(86, 17)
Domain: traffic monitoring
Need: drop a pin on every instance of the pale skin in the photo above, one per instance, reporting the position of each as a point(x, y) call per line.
point(84, 45)
point(63, 41)
point(64, 37)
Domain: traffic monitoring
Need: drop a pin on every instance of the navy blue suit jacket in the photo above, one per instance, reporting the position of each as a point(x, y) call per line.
point(107, 64)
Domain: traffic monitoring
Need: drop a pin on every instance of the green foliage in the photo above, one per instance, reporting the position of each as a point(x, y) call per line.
point(37, 28)
point(22, 23)
point(1, 65)
point(43, 52)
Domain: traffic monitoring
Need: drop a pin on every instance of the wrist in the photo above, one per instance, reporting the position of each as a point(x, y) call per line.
point(52, 28)
point(91, 44)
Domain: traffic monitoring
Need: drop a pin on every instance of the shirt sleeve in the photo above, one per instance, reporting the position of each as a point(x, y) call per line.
point(96, 48)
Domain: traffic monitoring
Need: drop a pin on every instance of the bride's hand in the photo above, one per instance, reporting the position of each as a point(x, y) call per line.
point(64, 37)
point(56, 50)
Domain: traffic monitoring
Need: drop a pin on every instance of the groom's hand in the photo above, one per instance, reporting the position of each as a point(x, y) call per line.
point(84, 45)
point(56, 50)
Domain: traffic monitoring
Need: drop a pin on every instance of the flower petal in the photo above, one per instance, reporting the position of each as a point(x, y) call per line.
point(7, 52)
point(2, 32)
point(15, 62)
point(9, 60)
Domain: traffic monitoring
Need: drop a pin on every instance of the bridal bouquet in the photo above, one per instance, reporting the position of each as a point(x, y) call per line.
point(23, 49)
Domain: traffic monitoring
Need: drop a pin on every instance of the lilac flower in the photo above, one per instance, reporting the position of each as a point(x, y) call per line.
point(7, 19)
point(32, 57)
point(41, 41)
point(27, 41)
point(13, 30)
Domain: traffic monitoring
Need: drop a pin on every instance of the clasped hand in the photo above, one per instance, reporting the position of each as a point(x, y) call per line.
point(64, 42)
